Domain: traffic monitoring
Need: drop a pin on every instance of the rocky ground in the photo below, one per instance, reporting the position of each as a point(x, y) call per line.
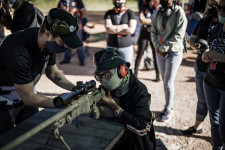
point(184, 101)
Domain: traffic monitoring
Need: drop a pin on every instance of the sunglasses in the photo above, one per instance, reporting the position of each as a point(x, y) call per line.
point(106, 75)
point(221, 8)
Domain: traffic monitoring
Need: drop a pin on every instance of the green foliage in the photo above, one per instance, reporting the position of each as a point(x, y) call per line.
point(45, 5)
point(91, 5)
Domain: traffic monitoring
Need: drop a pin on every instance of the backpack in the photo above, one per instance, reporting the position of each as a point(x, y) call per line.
point(40, 16)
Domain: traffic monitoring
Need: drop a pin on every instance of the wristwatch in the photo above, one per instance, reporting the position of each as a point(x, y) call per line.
point(117, 112)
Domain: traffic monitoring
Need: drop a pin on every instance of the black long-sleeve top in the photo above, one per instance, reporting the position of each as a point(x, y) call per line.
point(137, 115)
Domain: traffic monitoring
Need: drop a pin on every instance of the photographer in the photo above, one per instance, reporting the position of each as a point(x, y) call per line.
point(198, 42)
point(167, 32)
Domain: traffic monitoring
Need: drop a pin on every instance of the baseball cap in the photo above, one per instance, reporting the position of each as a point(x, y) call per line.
point(66, 26)
point(107, 59)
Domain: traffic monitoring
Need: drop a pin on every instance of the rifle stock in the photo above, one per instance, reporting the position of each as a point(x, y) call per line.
point(75, 105)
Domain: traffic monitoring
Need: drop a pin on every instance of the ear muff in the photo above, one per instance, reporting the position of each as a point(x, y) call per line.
point(119, 10)
point(122, 71)
point(59, 27)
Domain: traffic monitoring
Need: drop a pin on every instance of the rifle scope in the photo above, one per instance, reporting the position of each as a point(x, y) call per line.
point(64, 99)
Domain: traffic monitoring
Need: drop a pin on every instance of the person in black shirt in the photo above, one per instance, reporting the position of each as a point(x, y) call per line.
point(214, 81)
point(145, 16)
point(120, 23)
point(127, 98)
point(24, 16)
point(198, 41)
point(24, 56)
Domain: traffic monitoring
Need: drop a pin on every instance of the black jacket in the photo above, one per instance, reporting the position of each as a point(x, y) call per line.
point(24, 17)
point(137, 116)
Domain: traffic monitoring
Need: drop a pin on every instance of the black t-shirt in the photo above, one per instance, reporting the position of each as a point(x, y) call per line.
point(21, 60)
point(23, 18)
point(216, 78)
point(202, 31)
point(115, 40)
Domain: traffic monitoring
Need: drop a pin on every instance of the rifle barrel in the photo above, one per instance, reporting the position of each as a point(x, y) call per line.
point(73, 110)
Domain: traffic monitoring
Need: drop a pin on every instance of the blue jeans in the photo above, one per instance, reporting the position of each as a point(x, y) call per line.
point(202, 109)
point(168, 69)
point(127, 53)
point(80, 51)
point(216, 104)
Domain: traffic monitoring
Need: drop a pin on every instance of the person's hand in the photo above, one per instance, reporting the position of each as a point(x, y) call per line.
point(205, 56)
point(197, 47)
point(215, 56)
point(163, 54)
point(107, 100)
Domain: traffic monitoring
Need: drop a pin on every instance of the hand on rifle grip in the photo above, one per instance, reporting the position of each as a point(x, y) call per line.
point(95, 112)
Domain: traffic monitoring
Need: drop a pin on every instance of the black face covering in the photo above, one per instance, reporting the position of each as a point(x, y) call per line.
point(118, 5)
point(213, 13)
point(164, 4)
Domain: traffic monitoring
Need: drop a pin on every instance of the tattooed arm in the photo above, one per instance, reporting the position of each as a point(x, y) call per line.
point(26, 91)
point(57, 76)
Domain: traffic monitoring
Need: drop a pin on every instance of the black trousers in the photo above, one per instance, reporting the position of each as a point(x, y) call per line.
point(14, 114)
point(132, 141)
point(143, 40)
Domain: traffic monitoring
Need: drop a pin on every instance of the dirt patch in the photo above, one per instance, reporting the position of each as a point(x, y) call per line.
point(185, 99)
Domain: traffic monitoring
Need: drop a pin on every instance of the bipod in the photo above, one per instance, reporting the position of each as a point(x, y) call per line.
point(54, 134)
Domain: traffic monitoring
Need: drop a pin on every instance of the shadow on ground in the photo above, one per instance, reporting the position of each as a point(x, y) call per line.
point(173, 131)
point(189, 61)
point(96, 17)
point(74, 68)
point(147, 79)
point(97, 37)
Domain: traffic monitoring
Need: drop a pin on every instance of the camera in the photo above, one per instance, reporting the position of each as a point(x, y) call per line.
point(203, 44)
